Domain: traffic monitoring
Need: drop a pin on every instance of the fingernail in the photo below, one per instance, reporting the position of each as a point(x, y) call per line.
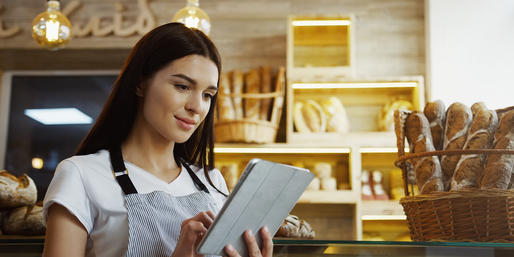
point(265, 228)
point(230, 248)
point(250, 233)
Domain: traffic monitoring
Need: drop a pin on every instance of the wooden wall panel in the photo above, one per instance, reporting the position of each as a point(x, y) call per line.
point(389, 34)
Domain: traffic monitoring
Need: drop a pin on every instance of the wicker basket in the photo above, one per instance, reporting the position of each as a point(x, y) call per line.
point(466, 215)
point(253, 130)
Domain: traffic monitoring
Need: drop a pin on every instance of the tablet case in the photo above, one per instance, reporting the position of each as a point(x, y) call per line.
point(264, 195)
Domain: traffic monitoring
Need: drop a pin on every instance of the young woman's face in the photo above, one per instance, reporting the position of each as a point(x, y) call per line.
point(178, 97)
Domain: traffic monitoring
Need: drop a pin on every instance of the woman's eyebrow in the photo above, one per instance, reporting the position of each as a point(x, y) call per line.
point(180, 75)
point(192, 81)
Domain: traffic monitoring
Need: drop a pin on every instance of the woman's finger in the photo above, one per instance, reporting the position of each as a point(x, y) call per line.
point(267, 242)
point(251, 243)
point(210, 214)
point(204, 218)
point(231, 251)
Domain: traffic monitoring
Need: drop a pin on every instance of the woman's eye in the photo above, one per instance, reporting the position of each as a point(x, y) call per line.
point(181, 87)
point(208, 95)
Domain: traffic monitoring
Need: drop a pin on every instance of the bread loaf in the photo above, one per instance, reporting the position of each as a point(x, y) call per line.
point(458, 119)
point(499, 167)
point(480, 136)
point(314, 116)
point(237, 88)
point(278, 103)
point(16, 191)
point(436, 115)
point(427, 169)
point(293, 227)
point(225, 105)
point(266, 82)
point(400, 117)
point(337, 120)
point(26, 220)
point(252, 86)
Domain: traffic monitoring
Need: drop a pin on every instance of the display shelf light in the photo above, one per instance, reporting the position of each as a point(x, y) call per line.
point(279, 150)
point(354, 85)
point(321, 23)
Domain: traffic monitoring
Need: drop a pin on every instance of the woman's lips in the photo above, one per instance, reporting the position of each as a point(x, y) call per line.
point(185, 124)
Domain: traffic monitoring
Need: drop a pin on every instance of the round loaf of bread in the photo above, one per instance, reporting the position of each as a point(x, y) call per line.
point(16, 191)
point(26, 220)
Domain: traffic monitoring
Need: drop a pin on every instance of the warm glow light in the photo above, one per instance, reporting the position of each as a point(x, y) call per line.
point(321, 23)
point(52, 30)
point(279, 150)
point(59, 116)
point(193, 17)
point(353, 85)
point(37, 163)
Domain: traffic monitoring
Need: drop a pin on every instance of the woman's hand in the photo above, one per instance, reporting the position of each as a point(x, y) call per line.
point(191, 233)
point(253, 248)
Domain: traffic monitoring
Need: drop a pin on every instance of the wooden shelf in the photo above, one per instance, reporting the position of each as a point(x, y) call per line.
point(382, 210)
point(333, 197)
point(363, 139)
point(281, 148)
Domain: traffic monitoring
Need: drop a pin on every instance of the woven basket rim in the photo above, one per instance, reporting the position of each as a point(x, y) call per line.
point(461, 194)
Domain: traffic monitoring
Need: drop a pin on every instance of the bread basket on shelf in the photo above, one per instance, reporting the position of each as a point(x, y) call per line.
point(263, 127)
point(475, 215)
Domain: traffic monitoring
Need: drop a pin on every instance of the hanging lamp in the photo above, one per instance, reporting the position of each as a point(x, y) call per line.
point(193, 17)
point(51, 29)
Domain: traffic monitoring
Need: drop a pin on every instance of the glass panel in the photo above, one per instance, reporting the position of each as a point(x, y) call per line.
point(28, 138)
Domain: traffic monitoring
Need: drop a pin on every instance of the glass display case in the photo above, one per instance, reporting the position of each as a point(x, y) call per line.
point(28, 247)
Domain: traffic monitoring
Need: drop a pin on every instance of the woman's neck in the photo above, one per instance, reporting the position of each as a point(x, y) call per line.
point(147, 149)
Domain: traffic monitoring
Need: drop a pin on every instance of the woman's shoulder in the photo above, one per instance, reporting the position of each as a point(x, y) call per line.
point(92, 161)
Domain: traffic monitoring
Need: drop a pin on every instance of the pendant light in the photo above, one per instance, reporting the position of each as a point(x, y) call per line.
point(193, 17)
point(51, 29)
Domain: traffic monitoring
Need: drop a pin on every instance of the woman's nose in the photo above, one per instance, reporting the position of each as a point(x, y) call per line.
point(194, 103)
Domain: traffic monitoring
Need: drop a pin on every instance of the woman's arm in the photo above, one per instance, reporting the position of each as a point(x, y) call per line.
point(65, 235)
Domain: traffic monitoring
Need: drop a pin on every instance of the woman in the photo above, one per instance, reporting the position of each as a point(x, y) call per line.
point(142, 182)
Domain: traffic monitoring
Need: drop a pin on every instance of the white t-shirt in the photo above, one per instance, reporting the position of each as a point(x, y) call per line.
point(86, 187)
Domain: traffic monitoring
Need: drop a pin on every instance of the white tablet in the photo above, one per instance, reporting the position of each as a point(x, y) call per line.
point(264, 195)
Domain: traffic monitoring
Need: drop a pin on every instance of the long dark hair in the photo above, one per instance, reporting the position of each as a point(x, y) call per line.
point(153, 52)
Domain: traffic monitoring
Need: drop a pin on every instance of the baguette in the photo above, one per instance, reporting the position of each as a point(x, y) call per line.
point(458, 119)
point(499, 167)
point(237, 88)
point(266, 82)
point(278, 103)
point(436, 115)
point(252, 85)
point(480, 136)
point(427, 169)
point(225, 105)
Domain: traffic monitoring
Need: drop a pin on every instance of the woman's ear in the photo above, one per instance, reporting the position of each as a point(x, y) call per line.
point(140, 90)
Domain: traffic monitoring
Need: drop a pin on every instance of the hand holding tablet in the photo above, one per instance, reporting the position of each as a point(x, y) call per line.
point(263, 196)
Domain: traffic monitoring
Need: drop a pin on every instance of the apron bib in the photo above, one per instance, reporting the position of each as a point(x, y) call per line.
point(154, 219)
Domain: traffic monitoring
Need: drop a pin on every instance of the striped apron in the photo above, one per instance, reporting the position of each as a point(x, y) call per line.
point(155, 219)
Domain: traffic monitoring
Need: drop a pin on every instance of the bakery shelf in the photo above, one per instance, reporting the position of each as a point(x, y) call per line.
point(279, 148)
point(333, 197)
point(382, 210)
point(362, 139)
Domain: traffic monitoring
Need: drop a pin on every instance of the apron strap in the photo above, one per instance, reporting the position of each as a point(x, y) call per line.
point(121, 174)
point(120, 171)
point(198, 183)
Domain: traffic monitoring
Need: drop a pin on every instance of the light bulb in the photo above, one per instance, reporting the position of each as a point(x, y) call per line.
point(51, 29)
point(193, 17)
